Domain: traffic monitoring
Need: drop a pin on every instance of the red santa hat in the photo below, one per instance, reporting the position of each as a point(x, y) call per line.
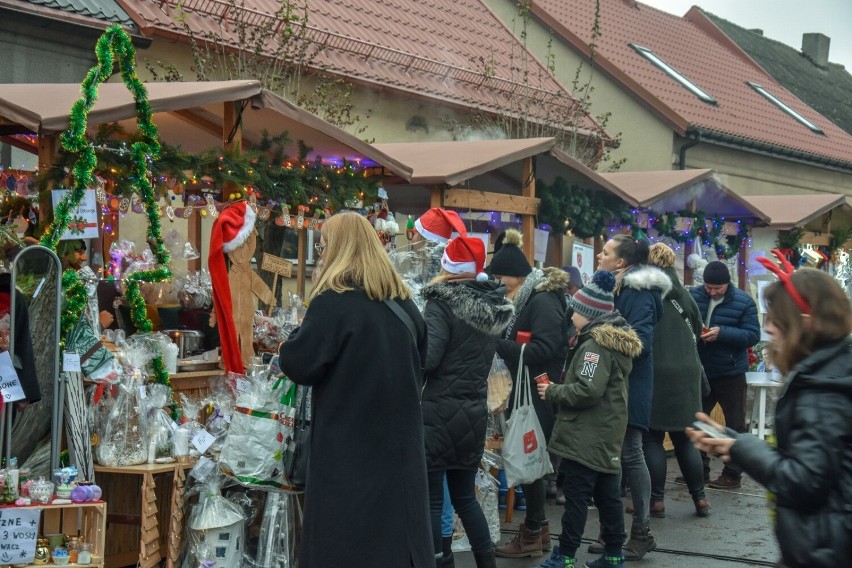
point(464, 254)
point(232, 228)
point(437, 225)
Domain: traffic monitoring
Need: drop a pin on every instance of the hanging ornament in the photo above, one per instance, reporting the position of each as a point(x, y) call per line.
point(124, 205)
point(170, 213)
point(101, 196)
point(187, 211)
point(211, 207)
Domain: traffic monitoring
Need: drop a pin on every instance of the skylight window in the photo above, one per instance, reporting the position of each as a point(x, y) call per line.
point(777, 102)
point(658, 62)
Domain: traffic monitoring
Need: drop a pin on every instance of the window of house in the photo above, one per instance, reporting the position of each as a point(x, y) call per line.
point(660, 64)
point(780, 104)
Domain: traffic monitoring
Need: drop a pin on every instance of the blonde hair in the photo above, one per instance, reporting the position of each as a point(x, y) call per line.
point(661, 255)
point(354, 258)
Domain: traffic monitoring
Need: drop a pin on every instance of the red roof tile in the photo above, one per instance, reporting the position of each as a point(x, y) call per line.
point(741, 112)
point(441, 49)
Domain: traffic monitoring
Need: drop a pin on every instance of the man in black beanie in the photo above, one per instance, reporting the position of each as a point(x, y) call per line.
point(730, 328)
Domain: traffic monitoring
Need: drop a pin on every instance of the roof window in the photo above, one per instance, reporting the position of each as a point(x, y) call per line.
point(777, 102)
point(658, 62)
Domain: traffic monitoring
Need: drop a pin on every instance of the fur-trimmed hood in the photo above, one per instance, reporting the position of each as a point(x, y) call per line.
point(622, 339)
point(552, 279)
point(481, 304)
point(645, 278)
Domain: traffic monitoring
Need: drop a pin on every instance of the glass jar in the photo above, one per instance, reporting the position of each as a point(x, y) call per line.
point(41, 491)
point(42, 552)
point(73, 548)
point(85, 554)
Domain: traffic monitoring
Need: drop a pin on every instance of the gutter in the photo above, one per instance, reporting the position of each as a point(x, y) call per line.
point(695, 135)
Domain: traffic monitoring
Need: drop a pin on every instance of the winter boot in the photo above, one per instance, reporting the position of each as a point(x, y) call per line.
point(606, 562)
point(597, 547)
point(485, 559)
point(641, 542)
point(658, 508)
point(525, 544)
point(558, 560)
point(447, 560)
point(546, 544)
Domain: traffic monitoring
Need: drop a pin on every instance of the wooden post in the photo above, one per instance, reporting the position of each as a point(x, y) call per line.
point(436, 197)
point(528, 221)
point(742, 264)
point(303, 262)
point(688, 249)
point(48, 146)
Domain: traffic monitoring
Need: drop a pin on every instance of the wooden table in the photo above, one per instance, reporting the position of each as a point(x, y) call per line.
point(762, 382)
point(129, 507)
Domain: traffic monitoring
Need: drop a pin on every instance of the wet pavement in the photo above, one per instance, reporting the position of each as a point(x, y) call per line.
point(737, 532)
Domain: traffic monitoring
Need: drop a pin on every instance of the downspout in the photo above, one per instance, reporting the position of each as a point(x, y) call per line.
point(695, 135)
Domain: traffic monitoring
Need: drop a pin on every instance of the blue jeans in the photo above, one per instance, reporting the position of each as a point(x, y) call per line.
point(638, 479)
point(579, 483)
point(448, 514)
point(688, 458)
point(461, 484)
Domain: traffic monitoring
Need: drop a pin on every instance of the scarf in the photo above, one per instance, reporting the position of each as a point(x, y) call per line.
point(532, 280)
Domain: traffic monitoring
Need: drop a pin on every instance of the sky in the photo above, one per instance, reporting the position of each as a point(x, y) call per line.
point(781, 20)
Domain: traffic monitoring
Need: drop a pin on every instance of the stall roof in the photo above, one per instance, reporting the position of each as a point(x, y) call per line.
point(189, 114)
point(674, 190)
point(789, 211)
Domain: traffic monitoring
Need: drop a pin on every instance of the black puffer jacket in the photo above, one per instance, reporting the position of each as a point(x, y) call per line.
point(810, 470)
point(543, 315)
point(464, 319)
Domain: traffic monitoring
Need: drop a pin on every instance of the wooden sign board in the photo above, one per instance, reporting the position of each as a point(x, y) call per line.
point(276, 265)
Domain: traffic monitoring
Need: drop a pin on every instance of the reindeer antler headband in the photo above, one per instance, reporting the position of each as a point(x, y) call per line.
point(783, 273)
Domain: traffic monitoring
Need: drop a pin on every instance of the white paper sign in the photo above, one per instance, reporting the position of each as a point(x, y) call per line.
point(18, 532)
point(10, 385)
point(583, 258)
point(540, 248)
point(71, 362)
point(84, 219)
point(202, 440)
point(243, 386)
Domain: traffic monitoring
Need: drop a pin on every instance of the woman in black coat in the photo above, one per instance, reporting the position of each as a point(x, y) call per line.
point(540, 312)
point(809, 471)
point(464, 316)
point(366, 499)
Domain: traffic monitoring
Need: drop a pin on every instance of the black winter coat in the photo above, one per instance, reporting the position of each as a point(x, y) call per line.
point(367, 468)
point(810, 470)
point(543, 314)
point(464, 319)
point(739, 329)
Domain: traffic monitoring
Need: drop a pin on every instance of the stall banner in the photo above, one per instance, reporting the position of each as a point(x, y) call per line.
point(84, 220)
point(10, 385)
point(18, 532)
point(583, 258)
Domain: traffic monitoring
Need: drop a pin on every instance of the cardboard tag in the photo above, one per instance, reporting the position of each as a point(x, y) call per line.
point(71, 362)
point(202, 440)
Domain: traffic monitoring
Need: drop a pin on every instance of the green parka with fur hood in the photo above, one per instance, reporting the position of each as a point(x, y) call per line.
point(591, 405)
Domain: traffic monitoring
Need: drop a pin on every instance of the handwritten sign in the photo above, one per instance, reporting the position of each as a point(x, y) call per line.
point(18, 532)
point(84, 219)
point(10, 384)
point(276, 265)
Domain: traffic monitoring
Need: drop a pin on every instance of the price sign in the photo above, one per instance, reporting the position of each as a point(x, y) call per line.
point(243, 386)
point(276, 265)
point(10, 385)
point(202, 440)
point(18, 532)
point(71, 362)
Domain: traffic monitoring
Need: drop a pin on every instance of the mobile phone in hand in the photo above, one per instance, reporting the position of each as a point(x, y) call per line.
point(709, 430)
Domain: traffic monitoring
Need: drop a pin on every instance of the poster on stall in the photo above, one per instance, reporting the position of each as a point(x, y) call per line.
point(83, 221)
point(583, 258)
point(18, 531)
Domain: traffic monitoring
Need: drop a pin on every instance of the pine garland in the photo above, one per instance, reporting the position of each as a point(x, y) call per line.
point(725, 246)
point(113, 44)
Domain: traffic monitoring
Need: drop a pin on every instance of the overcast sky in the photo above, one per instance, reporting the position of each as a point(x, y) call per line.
point(781, 20)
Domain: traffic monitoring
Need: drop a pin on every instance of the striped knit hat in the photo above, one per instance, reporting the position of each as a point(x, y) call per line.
point(595, 298)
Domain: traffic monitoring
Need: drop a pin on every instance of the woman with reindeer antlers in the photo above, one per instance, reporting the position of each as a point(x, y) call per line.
point(809, 471)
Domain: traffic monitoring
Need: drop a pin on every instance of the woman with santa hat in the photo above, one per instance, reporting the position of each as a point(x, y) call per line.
point(465, 314)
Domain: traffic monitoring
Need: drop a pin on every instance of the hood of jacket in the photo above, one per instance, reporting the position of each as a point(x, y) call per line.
point(481, 304)
point(674, 280)
point(552, 279)
point(612, 332)
point(647, 278)
point(827, 368)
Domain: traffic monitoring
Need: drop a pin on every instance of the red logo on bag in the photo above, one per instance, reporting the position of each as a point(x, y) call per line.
point(530, 442)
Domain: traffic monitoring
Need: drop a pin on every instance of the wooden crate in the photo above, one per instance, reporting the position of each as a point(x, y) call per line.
point(85, 519)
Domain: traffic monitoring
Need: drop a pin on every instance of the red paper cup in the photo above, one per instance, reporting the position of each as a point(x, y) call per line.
point(523, 337)
point(542, 379)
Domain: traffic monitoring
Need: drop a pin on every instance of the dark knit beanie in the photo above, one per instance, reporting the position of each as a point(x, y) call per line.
point(716, 273)
point(510, 259)
point(595, 298)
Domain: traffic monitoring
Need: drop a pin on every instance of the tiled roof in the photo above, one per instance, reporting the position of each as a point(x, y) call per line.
point(828, 90)
point(106, 10)
point(742, 116)
point(452, 50)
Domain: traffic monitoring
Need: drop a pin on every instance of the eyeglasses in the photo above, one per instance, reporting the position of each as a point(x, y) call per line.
point(319, 248)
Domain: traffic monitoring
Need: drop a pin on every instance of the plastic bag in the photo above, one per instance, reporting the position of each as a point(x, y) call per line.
point(216, 529)
point(499, 385)
point(525, 457)
point(123, 438)
point(260, 426)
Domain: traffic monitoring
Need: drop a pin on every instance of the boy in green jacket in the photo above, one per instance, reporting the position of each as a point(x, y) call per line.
point(591, 420)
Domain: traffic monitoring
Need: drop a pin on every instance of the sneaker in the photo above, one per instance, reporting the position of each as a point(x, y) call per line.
point(558, 560)
point(725, 482)
point(606, 562)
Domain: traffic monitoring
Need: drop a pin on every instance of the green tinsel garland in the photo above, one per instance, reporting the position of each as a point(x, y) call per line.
point(113, 43)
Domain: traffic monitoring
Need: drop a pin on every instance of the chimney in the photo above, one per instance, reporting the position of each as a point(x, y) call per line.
point(815, 47)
